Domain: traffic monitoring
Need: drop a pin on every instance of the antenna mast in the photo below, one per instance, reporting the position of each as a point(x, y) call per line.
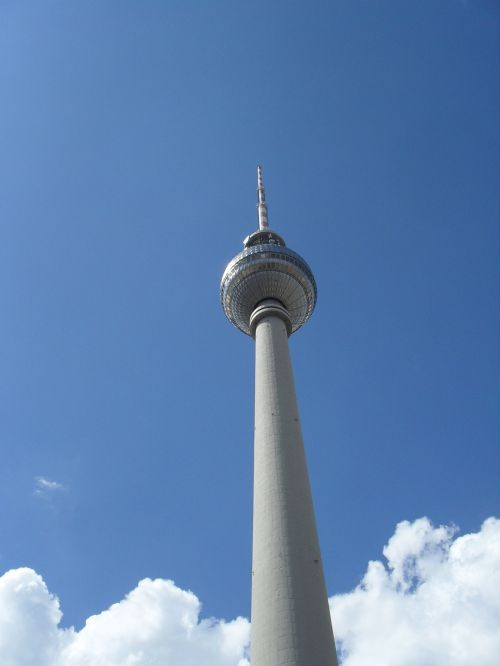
point(261, 205)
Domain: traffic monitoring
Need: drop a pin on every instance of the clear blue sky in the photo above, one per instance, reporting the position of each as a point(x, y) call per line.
point(129, 136)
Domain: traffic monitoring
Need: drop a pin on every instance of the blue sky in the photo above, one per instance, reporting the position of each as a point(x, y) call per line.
point(129, 136)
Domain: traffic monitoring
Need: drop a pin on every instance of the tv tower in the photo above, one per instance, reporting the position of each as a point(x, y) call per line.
point(268, 292)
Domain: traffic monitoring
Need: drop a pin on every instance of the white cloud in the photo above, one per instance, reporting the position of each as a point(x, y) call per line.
point(44, 487)
point(29, 616)
point(435, 603)
point(157, 624)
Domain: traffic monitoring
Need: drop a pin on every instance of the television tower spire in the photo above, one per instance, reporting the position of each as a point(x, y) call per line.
point(261, 205)
point(268, 291)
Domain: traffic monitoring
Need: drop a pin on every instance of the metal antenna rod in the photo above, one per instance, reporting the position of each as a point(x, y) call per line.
point(262, 205)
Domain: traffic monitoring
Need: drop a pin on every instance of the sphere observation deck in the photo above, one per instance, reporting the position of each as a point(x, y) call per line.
point(267, 269)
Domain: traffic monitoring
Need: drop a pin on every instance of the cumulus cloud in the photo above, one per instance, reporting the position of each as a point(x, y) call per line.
point(157, 624)
point(29, 618)
point(435, 602)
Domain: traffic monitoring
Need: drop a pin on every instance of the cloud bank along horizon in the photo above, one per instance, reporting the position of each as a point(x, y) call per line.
point(435, 600)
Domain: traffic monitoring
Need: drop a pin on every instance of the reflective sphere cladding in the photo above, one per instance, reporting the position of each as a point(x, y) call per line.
point(267, 271)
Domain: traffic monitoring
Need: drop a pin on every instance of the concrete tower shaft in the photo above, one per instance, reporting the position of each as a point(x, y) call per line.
point(290, 616)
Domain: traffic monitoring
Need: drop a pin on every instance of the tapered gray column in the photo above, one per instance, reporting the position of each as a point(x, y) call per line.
point(290, 616)
point(268, 291)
